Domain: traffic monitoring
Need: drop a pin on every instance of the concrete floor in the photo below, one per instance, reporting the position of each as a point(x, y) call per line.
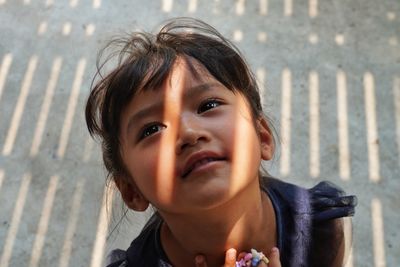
point(330, 74)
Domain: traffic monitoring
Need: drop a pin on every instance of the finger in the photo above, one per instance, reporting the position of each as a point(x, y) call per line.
point(200, 261)
point(274, 258)
point(241, 255)
point(230, 258)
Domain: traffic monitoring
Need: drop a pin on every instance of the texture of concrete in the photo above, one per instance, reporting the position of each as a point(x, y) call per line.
point(330, 75)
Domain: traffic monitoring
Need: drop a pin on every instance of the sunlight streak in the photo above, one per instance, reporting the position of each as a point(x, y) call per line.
point(342, 121)
point(90, 28)
point(73, 99)
point(72, 223)
point(372, 128)
point(240, 6)
point(1, 177)
point(312, 8)
point(42, 28)
point(96, 4)
point(102, 228)
point(261, 84)
point(73, 3)
point(44, 112)
point(242, 158)
point(167, 5)
point(44, 222)
point(350, 260)
point(391, 16)
point(285, 121)
point(348, 242)
point(378, 233)
point(313, 38)
point(5, 67)
point(314, 124)
point(288, 8)
point(339, 39)
point(66, 28)
point(88, 149)
point(49, 3)
point(215, 9)
point(19, 108)
point(396, 98)
point(237, 35)
point(262, 37)
point(15, 221)
point(192, 7)
point(167, 149)
point(263, 7)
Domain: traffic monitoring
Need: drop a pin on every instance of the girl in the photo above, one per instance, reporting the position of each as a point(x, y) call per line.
point(182, 129)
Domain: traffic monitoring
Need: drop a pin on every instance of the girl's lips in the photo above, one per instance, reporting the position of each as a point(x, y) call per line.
point(200, 163)
point(199, 159)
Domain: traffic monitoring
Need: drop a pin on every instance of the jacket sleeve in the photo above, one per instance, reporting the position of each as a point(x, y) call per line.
point(329, 207)
point(116, 258)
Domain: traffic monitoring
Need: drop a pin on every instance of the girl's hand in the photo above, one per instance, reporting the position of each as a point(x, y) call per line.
point(230, 259)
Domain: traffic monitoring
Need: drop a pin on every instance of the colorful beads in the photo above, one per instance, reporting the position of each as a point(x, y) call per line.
point(252, 259)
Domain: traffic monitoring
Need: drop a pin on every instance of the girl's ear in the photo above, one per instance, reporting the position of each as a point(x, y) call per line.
point(266, 139)
point(131, 195)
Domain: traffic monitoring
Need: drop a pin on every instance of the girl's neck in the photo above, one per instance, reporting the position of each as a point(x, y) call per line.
point(244, 223)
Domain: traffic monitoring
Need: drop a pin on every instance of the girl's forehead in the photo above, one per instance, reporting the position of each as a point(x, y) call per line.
point(185, 78)
point(185, 72)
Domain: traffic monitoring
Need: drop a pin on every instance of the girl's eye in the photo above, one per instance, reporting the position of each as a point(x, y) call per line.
point(208, 104)
point(150, 130)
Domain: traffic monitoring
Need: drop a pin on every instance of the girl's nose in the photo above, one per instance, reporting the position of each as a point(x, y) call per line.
point(190, 133)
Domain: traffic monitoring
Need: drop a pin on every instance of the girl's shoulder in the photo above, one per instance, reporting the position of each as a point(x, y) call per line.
point(116, 258)
point(310, 222)
point(145, 249)
point(323, 202)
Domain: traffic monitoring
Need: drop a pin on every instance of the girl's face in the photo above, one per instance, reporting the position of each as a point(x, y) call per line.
point(192, 143)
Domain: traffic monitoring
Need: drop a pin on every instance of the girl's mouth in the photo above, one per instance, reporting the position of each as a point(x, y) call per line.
point(198, 164)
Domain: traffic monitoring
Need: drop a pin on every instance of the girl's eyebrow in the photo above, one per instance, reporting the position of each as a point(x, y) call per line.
point(158, 106)
point(198, 89)
point(141, 114)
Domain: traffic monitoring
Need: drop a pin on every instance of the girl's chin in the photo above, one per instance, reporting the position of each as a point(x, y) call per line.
point(208, 172)
point(211, 195)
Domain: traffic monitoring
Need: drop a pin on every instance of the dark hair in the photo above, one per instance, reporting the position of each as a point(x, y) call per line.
point(144, 62)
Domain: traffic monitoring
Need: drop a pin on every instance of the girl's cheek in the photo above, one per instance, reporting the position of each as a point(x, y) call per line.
point(147, 161)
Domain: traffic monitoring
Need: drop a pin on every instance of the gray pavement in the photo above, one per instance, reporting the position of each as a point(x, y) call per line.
point(330, 74)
